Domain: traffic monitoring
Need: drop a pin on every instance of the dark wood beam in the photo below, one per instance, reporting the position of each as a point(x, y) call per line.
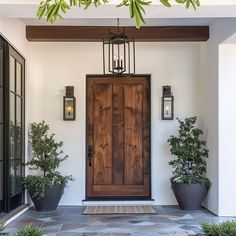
point(97, 33)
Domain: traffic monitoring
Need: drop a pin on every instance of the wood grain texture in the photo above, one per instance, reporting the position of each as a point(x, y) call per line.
point(133, 147)
point(146, 128)
point(118, 125)
point(98, 33)
point(118, 133)
point(103, 134)
point(89, 136)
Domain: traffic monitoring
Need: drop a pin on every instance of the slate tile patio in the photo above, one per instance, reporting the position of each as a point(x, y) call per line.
point(69, 221)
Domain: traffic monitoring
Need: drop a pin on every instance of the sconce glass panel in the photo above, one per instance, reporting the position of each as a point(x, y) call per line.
point(168, 108)
point(69, 108)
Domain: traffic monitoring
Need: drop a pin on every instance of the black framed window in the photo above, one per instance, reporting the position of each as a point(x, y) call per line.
point(13, 125)
point(1, 126)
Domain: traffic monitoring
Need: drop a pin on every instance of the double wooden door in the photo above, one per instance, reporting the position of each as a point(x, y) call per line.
point(118, 137)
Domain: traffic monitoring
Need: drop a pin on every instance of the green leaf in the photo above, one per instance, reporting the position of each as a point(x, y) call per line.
point(165, 3)
point(52, 9)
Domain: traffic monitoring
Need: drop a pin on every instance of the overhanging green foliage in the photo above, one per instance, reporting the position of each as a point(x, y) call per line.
point(53, 9)
point(190, 164)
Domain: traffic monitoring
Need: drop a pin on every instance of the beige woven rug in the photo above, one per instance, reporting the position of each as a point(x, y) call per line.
point(106, 210)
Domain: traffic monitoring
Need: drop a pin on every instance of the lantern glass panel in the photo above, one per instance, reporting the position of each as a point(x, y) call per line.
point(167, 108)
point(69, 109)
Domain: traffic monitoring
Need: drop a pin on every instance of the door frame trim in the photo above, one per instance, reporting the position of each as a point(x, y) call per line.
point(148, 77)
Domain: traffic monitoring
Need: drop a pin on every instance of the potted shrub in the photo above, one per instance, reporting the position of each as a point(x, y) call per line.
point(47, 186)
point(189, 183)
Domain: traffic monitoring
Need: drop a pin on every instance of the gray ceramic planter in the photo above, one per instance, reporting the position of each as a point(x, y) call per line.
point(189, 196)
point(50, 200)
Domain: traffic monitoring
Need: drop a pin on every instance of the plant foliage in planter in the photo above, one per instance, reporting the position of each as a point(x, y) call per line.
point(227, 228)
point(190, 164)
point(46, 159)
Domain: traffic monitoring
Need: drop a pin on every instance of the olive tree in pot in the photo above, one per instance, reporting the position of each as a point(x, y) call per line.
point(47, 186)
point(189, 183)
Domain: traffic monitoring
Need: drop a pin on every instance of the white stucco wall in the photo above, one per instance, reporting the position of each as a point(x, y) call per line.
point(55, 65)
point(227, 129)
point(218, 117)
point(14, 31)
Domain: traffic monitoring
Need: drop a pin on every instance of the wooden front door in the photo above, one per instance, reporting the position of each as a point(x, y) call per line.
point(118, 137)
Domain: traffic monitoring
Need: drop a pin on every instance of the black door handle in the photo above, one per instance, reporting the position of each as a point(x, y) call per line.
point(90, 154)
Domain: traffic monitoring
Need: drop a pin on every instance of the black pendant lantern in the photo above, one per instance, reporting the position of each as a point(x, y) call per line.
point(118, 53)
point(167, 106)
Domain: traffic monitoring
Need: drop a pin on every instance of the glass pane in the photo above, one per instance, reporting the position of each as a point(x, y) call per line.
point(69, 108)
point(1, 64)
point(18, 111)
point(18, 78)
point(18, 176)
point(12, 74)
point(12, 145)
point(1, 104)
point(1, 180)
point(167, 107)
point(18, 143)
point(12, 177)
point(1, 142)
point(12, 109)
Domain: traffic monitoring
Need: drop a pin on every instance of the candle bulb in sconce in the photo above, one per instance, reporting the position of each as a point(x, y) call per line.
point(69, 110)
point(115, 62)
point(118, 62)
point(167, 110)
point(121, 62)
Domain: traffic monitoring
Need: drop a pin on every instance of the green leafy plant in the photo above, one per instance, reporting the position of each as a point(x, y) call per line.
point(30, 230)
point(190, 152)
point(227, 228)
point(2, 228)
point(53, 9)
point(46, 159)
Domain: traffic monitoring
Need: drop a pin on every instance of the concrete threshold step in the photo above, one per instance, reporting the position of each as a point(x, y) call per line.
point(9, 217)
point(118, 202)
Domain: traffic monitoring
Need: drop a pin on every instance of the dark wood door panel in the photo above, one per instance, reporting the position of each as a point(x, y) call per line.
point(118, 127)
point(118, 133)
point(102, 134)
point(133, 123)
point(127, 190)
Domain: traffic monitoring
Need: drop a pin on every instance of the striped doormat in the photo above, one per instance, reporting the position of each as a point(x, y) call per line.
point(109, 210)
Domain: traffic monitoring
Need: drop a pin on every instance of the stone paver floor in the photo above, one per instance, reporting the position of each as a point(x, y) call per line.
point(169, 220)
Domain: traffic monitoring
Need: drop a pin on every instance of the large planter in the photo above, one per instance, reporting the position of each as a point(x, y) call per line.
point(189, 196)
point(50, 200)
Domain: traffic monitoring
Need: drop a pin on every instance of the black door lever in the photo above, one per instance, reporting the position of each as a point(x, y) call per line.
point(90, 154)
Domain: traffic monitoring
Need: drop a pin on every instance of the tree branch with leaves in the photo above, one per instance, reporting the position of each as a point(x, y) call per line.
point(54, 9)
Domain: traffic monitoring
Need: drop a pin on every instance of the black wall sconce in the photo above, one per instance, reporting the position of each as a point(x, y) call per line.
point(69, 104)
point(167, 106)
